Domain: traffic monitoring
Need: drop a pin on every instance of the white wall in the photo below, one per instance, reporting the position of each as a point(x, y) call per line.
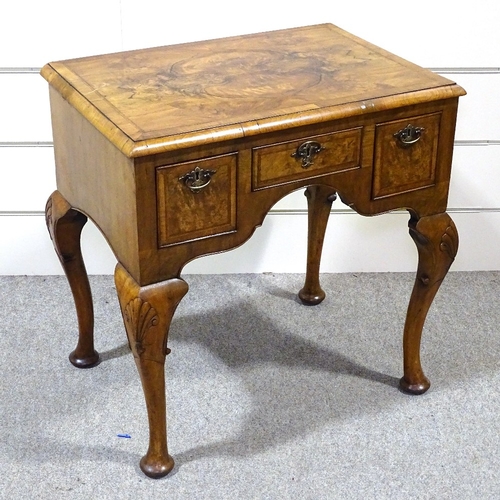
point(461, 41)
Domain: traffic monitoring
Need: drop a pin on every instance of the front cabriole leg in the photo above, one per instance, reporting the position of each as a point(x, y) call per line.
point(436, 238)
point(147, 313)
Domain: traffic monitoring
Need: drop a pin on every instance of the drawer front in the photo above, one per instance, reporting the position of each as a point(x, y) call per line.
point(196, 199)
point(405, 155)
point(310, 157)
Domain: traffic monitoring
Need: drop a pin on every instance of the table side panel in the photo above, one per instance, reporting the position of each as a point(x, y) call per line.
point(96, 179)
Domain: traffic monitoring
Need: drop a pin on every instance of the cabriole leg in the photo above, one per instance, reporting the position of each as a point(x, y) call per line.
point(436, 239)
point(65, 227)
point(147, 312)
point(319, 202)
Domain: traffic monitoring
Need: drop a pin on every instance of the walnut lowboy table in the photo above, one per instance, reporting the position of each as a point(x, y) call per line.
point(177, 152)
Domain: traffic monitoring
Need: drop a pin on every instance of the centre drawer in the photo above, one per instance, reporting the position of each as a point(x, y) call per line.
point(309, 157)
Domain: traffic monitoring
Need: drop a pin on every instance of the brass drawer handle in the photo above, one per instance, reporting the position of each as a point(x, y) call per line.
point(409, 135)
point(306, 151)
point(197, 179)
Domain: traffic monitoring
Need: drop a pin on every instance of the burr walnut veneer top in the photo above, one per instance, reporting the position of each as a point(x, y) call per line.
point(154, 100)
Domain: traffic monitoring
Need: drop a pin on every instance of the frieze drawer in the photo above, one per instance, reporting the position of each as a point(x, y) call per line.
point(405, 155)
point(304, 158)
point(196, 199)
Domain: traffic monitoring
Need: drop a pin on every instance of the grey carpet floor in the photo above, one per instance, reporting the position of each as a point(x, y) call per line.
point(267, 399)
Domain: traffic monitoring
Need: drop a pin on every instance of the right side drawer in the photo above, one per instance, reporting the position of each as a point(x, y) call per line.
point(405, 155)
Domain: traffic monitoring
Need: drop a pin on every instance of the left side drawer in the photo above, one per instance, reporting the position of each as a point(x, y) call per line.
point(196, 199)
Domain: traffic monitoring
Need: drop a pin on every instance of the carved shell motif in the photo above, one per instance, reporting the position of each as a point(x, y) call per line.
point(140, 317)
point(449, 242)
point(48, 217)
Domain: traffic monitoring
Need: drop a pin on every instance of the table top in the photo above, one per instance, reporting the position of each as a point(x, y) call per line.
point(153, 100)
